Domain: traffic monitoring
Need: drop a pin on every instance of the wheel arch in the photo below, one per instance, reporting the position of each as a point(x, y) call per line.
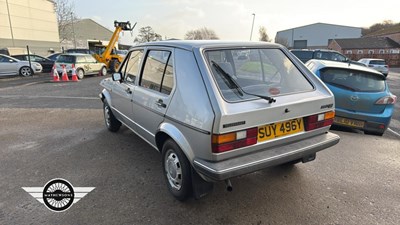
point(105, 96)
point(166, 131)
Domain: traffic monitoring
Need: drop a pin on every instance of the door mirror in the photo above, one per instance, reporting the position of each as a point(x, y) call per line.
point(116, 77)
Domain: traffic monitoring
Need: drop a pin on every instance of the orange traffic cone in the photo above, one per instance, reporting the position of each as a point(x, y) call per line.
point(56, 78)
point(64, 75)
point(74, 76)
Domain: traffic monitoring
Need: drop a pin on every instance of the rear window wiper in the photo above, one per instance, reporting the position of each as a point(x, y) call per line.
point(234, 85)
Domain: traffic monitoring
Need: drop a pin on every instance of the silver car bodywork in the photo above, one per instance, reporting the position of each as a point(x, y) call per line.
point(12, 66)
point(195, 110)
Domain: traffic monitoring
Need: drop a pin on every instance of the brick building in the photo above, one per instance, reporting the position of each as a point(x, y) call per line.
point(369, 47)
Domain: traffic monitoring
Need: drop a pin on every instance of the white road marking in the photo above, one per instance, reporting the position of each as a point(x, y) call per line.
point(394, 132)
point(55, 97)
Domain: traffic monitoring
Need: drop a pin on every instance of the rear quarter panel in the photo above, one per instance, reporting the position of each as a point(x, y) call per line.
point(190, 108)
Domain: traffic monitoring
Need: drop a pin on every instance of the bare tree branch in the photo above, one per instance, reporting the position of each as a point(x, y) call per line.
point(65, 12)
point(263, 34)
point(201, 34)
point(147, 34)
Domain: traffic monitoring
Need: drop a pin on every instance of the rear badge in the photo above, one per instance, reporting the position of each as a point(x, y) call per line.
point(326, 106)
point(234, 124)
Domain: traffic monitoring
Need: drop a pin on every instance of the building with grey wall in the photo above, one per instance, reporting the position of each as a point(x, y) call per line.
point(315, 35)
point(29, 22)
point(85, 33)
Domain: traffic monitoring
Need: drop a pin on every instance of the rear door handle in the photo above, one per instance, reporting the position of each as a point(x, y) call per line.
point(128, 90)
point(160, 103)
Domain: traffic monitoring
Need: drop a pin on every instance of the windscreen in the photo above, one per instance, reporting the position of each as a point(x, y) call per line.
point(353, 80)
point(266, 72)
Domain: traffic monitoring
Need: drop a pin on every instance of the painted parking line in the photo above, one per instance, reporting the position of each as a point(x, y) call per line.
point(394, 132)
point(54, 97)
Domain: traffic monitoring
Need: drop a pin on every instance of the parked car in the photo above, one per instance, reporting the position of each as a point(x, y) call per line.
point(47, 64)
point(362, 96)
point(323, 54)
point(13, 66)
point(213, 116)
point(84, 64)
point(377, 64)
point(54, 56)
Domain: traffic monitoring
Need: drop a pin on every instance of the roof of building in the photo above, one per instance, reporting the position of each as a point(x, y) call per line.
point(386, 31)
point(367, 42)
point(313, 24)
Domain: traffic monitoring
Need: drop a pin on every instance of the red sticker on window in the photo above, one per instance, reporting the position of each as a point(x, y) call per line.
point(274, 91)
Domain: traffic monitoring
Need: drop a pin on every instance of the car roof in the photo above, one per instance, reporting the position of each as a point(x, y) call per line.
point(198, 44)
point(372, 59)
point(343, 65)
point(314, 50)
point(10, 57)
point(76, 54)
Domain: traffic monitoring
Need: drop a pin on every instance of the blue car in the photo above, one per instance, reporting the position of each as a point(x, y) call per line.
point(362, 97)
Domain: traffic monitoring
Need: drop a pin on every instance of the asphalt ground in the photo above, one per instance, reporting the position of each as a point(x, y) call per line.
point(56, 130)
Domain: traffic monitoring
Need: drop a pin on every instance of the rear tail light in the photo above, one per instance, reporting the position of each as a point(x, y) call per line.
point(234, 140)
point(387, 100)
point(318, 120)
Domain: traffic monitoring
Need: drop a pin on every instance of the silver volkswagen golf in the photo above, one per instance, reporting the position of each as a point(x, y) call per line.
point(214, 114)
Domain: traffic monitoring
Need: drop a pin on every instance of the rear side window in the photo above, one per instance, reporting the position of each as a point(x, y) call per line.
point(377, 62)
point(303, 54)
point(66, 59)
point(80, 59)
point(158, 71)
point(266, 72)
point(353, 80)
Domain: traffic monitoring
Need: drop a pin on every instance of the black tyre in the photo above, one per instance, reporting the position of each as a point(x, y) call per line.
point(114, 64)
point(176, 170)
point(80, 73)
point(111, 122)
point(25, 71)
point(373, 133)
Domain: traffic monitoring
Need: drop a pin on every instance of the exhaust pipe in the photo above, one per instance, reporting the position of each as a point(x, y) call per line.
point(228, 185)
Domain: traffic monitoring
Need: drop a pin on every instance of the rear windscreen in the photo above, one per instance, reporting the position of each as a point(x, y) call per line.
point(266, 72)
point(377, 62)
point(353, 80)
point(66, 59)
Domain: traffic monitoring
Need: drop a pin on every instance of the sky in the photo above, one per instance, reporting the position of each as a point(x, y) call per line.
point(233, 19)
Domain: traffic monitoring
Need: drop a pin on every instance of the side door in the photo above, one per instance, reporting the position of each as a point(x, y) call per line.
point(93, 66)
point(8, 66)
point(122, 92)
point(154, 91)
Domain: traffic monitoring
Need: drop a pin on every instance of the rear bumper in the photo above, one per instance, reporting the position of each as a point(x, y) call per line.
point(372, 121)
point(241, 165)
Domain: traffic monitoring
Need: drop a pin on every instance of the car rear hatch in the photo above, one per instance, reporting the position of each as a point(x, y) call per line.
point(65, 61)
point(355, 91)
point(264, 102)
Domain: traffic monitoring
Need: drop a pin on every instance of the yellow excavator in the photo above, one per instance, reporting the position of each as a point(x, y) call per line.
point(109, 55)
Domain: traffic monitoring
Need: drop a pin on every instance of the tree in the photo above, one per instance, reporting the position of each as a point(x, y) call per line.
point(65, 17)
point(263, 34)
point(201, 34)
point(378, 26)
point(147, 34)
point(282, 41)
